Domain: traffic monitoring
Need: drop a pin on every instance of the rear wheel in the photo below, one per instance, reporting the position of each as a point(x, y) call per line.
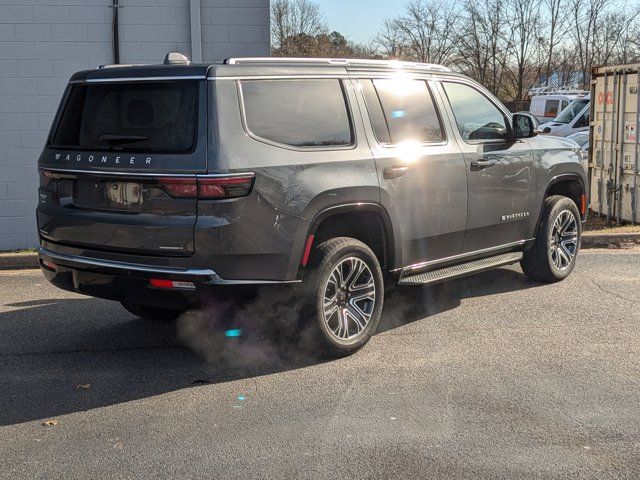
point(344, 294)
point(556, 246)
point(152, 313)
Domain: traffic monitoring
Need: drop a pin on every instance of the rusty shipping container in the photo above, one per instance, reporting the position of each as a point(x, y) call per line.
point(614, 169)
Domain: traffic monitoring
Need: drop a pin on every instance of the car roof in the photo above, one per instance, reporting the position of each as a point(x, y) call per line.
point(255, 66)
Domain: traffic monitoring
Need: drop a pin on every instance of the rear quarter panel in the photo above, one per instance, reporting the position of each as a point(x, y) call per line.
point(555, 158)
point(292, 186)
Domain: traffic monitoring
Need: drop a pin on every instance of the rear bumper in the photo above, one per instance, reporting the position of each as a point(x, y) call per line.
point(122, 281)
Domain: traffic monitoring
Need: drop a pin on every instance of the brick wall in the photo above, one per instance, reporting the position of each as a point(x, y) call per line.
point(42, 42)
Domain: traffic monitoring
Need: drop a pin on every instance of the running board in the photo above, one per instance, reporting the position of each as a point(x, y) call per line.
point(461, 270)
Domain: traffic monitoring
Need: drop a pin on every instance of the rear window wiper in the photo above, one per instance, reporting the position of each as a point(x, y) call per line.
point(113, 139)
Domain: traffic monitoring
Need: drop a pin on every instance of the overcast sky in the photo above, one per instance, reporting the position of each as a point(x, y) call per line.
point(359, 20)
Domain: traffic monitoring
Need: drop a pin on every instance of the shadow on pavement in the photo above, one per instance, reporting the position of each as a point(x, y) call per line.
point(49, 348)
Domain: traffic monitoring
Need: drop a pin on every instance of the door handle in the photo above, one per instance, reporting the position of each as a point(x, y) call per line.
point(394, 172)
point(482, 164)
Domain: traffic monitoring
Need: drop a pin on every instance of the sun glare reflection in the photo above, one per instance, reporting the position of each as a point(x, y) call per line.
point(409, 151)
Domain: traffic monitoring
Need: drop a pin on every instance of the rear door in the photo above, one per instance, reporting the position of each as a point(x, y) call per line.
point(119, 170)
point(500, 172)
point(420, 168)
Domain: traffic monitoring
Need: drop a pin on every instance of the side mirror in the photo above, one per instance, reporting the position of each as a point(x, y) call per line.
point(525, 125)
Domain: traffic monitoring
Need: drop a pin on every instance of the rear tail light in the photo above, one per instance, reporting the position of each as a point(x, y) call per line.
point(171, 284)
point(225, 187)
point(209, 188)
point(179, 187)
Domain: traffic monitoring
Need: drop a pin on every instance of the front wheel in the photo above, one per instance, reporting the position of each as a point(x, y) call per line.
point(344, 294)
point(554, 252)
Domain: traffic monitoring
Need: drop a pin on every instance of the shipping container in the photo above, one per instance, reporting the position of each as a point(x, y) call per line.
point(614, 165)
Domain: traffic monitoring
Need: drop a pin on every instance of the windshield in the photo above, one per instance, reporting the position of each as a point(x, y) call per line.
point(142, 116)
point(569, 113)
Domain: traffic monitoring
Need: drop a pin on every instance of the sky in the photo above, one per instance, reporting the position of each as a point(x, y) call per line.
point(359, 20)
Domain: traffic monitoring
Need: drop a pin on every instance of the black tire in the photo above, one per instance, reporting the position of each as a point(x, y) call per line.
point(347, 255)
point(152, 313)
point(540, 263)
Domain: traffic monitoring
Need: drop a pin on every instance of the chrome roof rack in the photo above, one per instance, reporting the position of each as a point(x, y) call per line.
point(347, 62)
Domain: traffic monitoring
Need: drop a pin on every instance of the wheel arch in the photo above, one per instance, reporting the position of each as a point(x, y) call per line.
point(569, 185)
point(353, 219)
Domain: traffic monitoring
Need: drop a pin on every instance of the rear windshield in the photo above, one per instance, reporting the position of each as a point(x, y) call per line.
point(152, 117)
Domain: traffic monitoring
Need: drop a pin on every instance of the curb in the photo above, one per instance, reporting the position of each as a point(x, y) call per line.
point(15, 261)
point(24, 260)
point(609, 240)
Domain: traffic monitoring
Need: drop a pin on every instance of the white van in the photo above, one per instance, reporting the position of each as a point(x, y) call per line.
point(547, 107)
point(572, 119)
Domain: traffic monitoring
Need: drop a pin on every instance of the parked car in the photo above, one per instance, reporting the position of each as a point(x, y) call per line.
point(545, 107)
point(582, 139)
point(161, 185)
point(574, 118)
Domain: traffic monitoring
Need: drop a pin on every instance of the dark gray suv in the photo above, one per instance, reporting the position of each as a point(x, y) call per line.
point(165, 186)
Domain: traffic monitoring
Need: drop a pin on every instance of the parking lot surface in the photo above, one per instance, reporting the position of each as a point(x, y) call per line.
point(491, 376)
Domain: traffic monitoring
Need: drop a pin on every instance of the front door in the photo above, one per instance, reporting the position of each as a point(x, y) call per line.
point(421, 169)
point(500, 175)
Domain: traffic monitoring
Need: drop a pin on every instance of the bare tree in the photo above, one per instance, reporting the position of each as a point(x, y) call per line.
point(428, 30)
point(525, 47)
point(555, 29)
point(291, 19)
point(484, 42)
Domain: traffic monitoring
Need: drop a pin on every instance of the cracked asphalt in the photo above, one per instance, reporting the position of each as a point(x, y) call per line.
point(492, 376)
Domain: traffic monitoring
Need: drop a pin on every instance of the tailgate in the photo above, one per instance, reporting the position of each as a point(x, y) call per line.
point(119, 168)
point(133, 214)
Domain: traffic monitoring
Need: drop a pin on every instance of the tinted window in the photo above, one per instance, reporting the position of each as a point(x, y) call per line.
point(301, 113)
point(149, 117)
point(378, 122)
point(476, 116)
point(408, 109)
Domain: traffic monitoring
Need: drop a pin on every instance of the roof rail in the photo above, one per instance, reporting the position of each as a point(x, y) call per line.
point(119, 65)
point(338, 61)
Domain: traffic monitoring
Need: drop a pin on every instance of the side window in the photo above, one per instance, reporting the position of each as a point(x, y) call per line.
point(299, 113)
point(565, 104)
point(402, 110)
point(476, 116)
point(583, 121)
point(551, 108)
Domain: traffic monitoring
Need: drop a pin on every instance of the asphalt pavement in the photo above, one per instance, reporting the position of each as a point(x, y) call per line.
point(493, 376)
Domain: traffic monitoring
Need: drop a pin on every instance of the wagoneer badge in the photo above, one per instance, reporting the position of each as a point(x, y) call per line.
point(105, 159)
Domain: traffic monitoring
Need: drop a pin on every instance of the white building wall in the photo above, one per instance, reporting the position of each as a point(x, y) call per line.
point(42, 42)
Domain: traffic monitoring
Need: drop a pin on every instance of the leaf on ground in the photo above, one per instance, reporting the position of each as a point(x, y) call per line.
point(49, 423)
point(84, 386)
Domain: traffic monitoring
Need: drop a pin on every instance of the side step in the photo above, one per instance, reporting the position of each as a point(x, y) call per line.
point(456, 271)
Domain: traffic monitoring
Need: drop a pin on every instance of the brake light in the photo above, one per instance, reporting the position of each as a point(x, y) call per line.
point(179, 187)
point(171, 284)
point(210, 188)
point(225, 187)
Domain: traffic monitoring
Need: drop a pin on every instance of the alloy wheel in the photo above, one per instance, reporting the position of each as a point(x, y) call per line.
point(349, 299)
point(564, 240)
